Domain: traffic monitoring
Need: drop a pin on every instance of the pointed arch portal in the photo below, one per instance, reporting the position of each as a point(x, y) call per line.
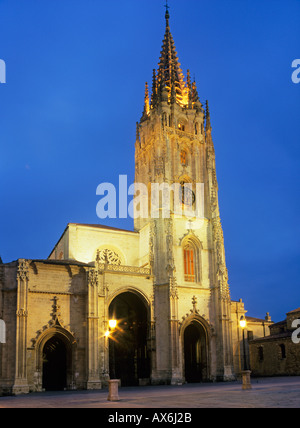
point(55, 351)
point(195, 353)
point(129, 359)
point(54, 365)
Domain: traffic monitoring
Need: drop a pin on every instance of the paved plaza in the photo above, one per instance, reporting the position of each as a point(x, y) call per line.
point(265, 393)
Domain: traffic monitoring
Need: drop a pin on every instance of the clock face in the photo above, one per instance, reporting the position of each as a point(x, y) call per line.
point(188, 197)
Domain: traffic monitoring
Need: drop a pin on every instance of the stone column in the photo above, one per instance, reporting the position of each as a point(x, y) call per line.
point(176, 369)
point(21, 383)
point(93, 381)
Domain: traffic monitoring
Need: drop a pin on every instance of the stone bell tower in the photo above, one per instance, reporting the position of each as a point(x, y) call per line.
point(186, 252)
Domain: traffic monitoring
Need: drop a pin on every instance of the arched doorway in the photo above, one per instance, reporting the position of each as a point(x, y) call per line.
point(195, 353)
point(54, 365)
point(129, 359)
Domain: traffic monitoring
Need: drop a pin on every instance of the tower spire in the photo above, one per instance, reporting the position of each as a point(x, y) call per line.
point(169, 83)
point(168, 62)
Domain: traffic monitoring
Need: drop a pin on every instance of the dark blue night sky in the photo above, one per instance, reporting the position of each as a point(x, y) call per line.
point(76, 71)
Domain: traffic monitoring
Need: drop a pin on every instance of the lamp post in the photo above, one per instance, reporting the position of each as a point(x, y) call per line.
point(246, 372)
point(243, 324)
point(113, 384)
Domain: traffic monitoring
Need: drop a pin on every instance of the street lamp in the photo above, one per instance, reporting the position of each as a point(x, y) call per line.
point(243, 325)
point(112, 324)
point(246, 372)
point(243, 322)
point(113, 384)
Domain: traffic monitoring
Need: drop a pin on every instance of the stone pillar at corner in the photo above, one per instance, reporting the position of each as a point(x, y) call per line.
point(21, 383)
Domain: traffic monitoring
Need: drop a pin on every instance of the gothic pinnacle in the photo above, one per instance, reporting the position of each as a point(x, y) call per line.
point(207, 116)
point(190, 89)
point(154, 90)
point(147, 103)
point(173, 85)
point(138, 133)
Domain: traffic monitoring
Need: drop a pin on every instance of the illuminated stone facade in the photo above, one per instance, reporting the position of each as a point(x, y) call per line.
point(166, 283)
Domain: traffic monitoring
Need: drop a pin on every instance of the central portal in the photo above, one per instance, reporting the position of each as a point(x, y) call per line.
point(128, 353)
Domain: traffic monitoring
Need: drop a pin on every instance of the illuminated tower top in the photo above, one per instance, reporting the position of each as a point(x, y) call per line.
point(169, 83)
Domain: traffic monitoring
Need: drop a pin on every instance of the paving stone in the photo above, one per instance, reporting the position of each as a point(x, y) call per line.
point(265, 393)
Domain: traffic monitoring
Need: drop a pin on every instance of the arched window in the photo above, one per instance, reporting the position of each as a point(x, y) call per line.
point(2, 332)
point(189, 264)
point(260, 353)
point(108, 256)
point(165, 119)
point(183, 157)
point(191, 261)
point(282, 351)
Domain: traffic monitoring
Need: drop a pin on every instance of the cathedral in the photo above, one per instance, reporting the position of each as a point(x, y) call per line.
point(150, 306)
